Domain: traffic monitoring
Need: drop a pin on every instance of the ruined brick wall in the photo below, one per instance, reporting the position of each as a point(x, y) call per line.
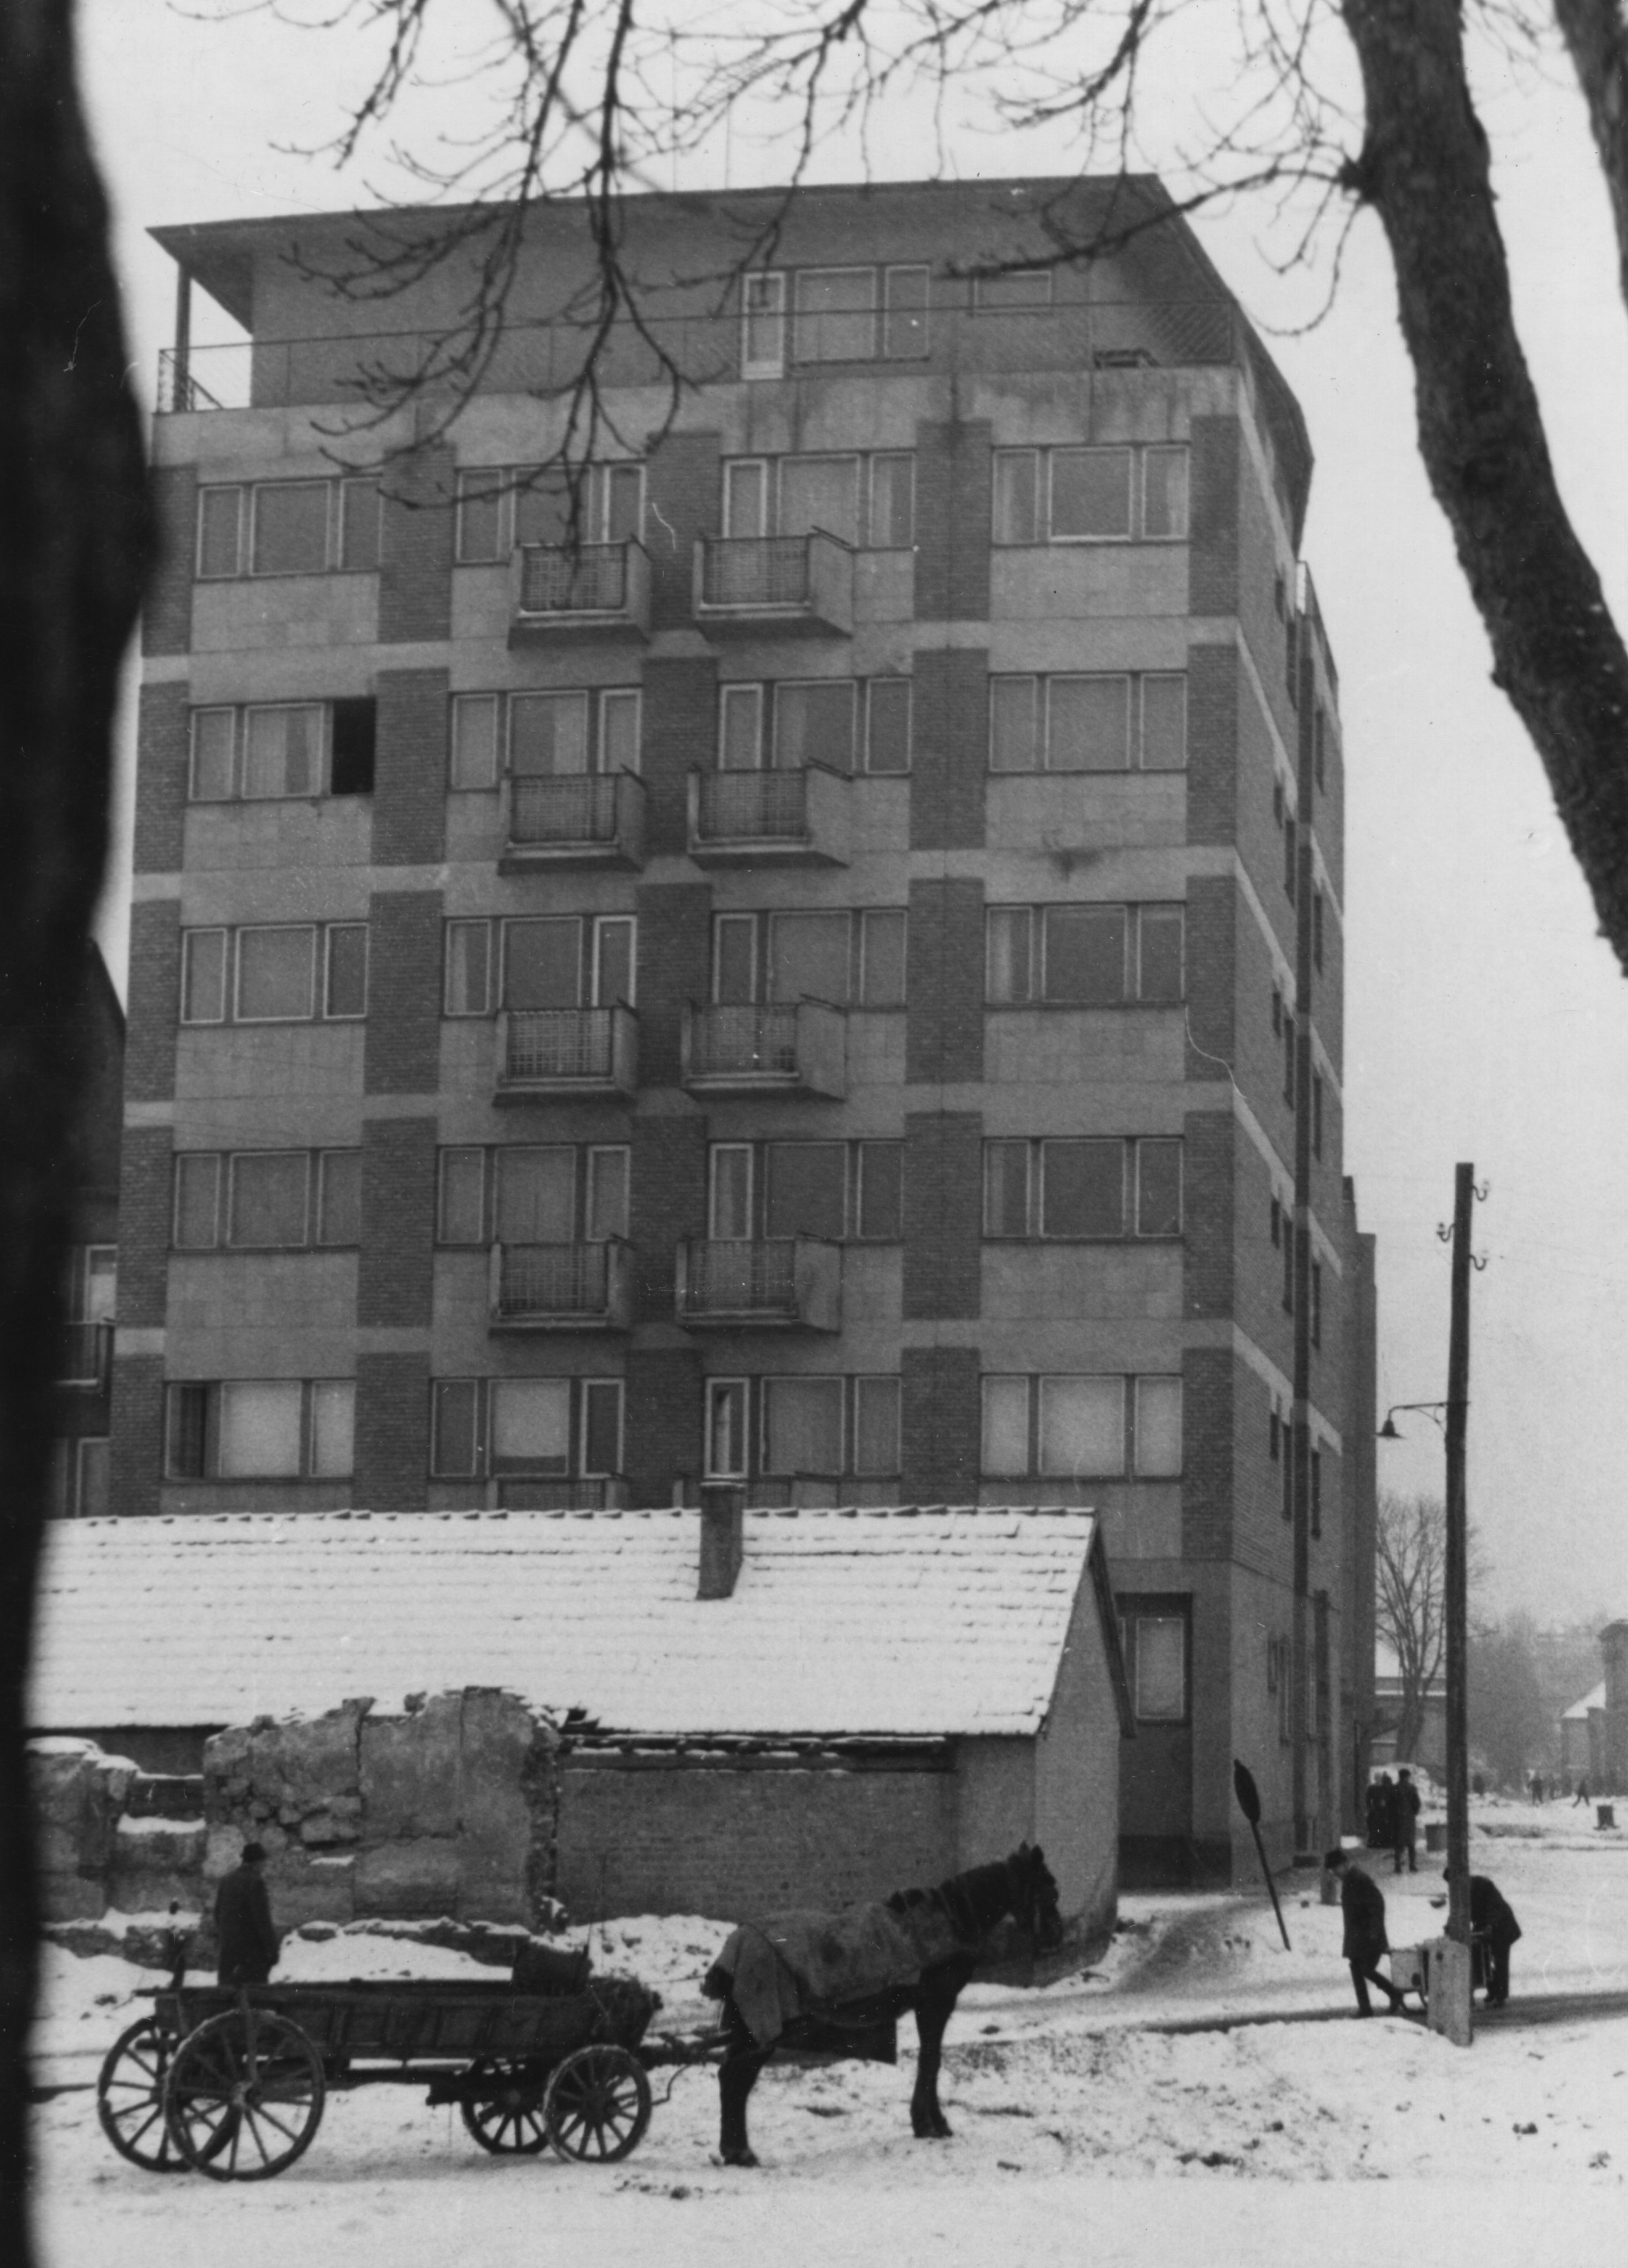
point(97, 1846)
point(449, 1807)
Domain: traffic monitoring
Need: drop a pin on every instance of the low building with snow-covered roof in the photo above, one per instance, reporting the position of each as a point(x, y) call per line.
point(1582, 1738)
point(760, 1706)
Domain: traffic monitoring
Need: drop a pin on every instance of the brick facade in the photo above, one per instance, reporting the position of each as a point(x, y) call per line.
point(416, 548)
point(404, 992)
point(663, 1442)
point(684, 499)
point(395, 1282)
point(167, 616)
point(944, 1025)
point(675, 953)
point(939, 1394)
point(154, 998)
point(137, 1435)
point(145, 1199)
point(943, 1214)
point(410, 782)
point(162, 755)
point(681, 737)
point(949, 760)
point(392, 1432)
point(952, 521)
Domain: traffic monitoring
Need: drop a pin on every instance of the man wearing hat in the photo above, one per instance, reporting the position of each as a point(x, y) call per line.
point(249, 1945)
point(1362, 1902)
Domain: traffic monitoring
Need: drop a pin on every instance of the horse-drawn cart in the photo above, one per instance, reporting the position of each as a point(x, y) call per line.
point(232, 2084)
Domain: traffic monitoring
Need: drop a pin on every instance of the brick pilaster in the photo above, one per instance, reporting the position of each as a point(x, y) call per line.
point(163, 727)
point(166, 618)
point(952, 479)
point(391, 1470)
point(410, 782)
point(662, 1439)
point(949, 762)
point(403, 1047)
point(943, 1214)
point(416, 548)
point(154, 1005)
point(675, 968)
point(396, 1279)
point(940, 1421)
point(944, 1021)
point(137, 1434)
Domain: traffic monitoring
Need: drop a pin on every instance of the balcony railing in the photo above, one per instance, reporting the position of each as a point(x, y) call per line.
point(595, 589)
point(756, 583)
point(378, 368)
point(789, 1281)
point(582, 819)
point(563, 1051)
point(84, 1355)
point(562, 1286)
point(790, 818)
point(795, 1047)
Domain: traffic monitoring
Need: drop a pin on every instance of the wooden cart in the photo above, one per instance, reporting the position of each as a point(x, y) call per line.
point(232, 2084)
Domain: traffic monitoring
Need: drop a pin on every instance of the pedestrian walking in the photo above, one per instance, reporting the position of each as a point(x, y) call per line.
point(249, 1943)
point(1405, 1830)
point(1365, 1944)
point(1581, 1796)
point(1387, 1812)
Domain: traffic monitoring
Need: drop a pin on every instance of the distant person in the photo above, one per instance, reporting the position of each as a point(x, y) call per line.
point(249, 1945)
point(1479, 1783)
point(1374, 1816)
point(1364, 1945)
point(1537, 1788)
point(1581, 1796)
point(1404, 1823)
point(1387, 1812)
point(1493, 1922)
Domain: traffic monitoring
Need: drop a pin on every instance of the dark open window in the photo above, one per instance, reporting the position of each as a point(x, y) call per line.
point(355, 731)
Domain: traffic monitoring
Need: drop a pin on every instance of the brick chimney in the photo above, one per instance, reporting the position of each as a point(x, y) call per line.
point(723, 1508)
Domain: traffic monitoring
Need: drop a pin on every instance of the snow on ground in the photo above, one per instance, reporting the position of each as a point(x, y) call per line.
point(1085, 2126)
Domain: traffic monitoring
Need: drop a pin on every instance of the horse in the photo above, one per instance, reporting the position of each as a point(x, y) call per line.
point(961, 1912)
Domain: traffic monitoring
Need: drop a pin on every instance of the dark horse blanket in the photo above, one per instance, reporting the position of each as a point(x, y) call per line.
point(788, 1965)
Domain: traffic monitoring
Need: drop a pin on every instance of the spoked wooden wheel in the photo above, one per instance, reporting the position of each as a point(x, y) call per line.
point(244, 2096)
point(597, 2105)
point(508, 2121)
point(129, 2099)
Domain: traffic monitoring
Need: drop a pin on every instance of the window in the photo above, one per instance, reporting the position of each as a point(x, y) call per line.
point(571, 961)
point(1090, 495)
point(1088, 724)
point(532, 1194)
point(1288, 1059)
point(260, 1429)
point(866, 501)
point(1288, 1264)
point(840, 314)
point(1063, 1428)
point(850, 959)
point(1087, 956)
point(832, 1190)
point(288, 527)
point(266, 1199)
point(500, 506)
point(724, 1447)
point(814, 1426)
point(278, 973)
point(1016, 287)
point(283, 749)
point(1277, 1223)
point(92, 1290)
point(1069, 1188)
point(1287, 1507)
point(540, 1426)
point(794, 722)
point(543, 735)
point(1155, 1648)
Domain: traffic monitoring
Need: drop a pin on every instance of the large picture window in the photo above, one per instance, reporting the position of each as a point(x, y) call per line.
point(260, 1429)
point(1096, 724)
point(1062, 1428)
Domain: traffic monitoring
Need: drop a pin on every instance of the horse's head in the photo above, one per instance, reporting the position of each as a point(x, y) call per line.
point(1034, 1897)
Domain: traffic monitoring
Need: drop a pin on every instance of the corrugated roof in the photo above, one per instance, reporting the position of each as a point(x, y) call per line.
point(913, 1620)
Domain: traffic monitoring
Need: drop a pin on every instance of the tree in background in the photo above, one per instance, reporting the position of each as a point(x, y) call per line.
point(1410, 1568)
point(1509, 1722)
point(1321, 108)
point(74, 545)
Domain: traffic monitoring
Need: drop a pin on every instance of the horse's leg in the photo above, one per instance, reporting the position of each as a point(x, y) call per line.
point(935, 2002)
point(737, 2075)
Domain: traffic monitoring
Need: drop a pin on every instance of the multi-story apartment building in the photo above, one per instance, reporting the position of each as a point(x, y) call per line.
point(79, 1465)
point(822, 970)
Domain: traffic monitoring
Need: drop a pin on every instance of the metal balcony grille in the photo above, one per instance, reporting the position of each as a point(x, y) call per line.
point(579, 809)
point(743, 1040)
point(742, 1279)
point(553, 1280)
point(560, 1043)
point(756, 571)
point(753, 806)
point(591, 581)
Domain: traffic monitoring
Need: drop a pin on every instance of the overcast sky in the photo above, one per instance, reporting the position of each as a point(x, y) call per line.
point(1484, 1017)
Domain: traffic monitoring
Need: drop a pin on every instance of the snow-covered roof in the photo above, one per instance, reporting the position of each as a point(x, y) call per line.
point(909, 1621)
point(1594, 1698)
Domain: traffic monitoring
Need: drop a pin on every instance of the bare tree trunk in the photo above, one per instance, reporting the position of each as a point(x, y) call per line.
point(1597, 37)
point(74, 544)
point(1556, 654)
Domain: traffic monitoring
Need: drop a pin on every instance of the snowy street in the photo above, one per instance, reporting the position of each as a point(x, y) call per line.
point(1090, 2122)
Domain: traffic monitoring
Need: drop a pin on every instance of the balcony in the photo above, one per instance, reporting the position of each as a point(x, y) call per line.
point(562, 1287)
point(581, 819)
point(761, 818)
point(779, 1282)
point(566, 1051)
point(774, 586)
point(798, 1048)
point(84, 1355)
point(594, 589)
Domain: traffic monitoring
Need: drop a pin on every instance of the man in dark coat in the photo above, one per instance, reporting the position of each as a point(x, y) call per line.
point(1362, 1902)
point(249, 1945)
point(1404, 1832)
point(1492, 1921)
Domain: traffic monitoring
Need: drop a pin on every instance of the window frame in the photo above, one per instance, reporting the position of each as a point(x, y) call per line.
point(1130, 1382)
point(504, 486)
point(1041, 713)
point(202, 1398)
point(342, 490)
point(1042, 512)
point(485, 1465)
point(1035, 1148)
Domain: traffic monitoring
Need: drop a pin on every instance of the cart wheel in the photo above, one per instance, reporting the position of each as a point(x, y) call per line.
point(597, 2105)
point(130, 2098)
point(244, 2096)
point(508, 2122)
